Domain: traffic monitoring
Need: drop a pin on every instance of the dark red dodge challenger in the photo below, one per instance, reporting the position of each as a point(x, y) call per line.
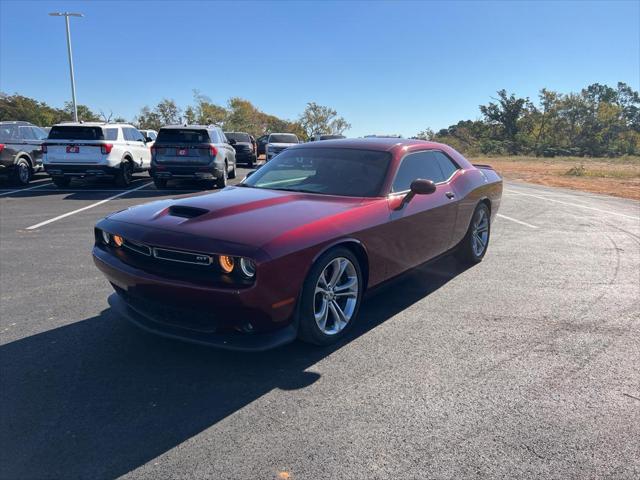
point(289, 252)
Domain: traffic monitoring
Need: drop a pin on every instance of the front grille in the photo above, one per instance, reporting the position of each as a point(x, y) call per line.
point(137, 247)
point(182, 257)
point(194, 267)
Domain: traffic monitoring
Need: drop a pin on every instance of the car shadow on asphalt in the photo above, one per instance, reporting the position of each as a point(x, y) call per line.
point(98, 398)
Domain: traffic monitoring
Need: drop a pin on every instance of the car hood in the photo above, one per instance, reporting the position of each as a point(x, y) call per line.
point(246, 216)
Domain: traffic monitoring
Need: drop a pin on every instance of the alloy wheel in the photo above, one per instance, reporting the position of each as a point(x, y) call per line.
point(23, 173)
point(480, 233)
point(336, 296)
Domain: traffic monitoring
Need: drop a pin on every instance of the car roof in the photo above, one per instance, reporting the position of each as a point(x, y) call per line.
point(17, 122)
point(382, 144)
point(92, 124)
point(188, 126)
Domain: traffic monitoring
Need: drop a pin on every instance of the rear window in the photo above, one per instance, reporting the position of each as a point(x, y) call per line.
point(177, 135)
point(238, 137)
point(76, 133)
point(283, 138)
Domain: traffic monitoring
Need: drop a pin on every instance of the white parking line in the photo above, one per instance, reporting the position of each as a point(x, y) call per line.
point(64, 215)
point(516, 221)
point(608, 212)
point(25, 189)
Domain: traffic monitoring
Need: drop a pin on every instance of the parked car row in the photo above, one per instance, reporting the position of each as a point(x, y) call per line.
point(203, 153)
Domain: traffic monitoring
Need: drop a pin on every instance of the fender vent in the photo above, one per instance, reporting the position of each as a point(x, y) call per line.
point(186, 212)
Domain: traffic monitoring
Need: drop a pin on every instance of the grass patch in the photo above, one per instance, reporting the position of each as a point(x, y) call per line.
point(611, 176)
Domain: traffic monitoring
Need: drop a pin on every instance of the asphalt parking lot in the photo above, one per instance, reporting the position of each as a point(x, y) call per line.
point(524, 366)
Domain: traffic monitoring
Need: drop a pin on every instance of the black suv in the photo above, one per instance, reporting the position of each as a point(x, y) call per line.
point(20, 150)
point(193, 152)
point(245, 152)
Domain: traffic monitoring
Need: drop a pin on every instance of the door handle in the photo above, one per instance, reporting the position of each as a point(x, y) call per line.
point(450, 194)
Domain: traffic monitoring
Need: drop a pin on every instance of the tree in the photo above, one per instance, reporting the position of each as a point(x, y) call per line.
point(166, 112)
point(426, 134)
point(506, 113)
point(318, 120)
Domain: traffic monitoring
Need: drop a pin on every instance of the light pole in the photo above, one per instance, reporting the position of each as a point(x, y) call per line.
point(66, 16)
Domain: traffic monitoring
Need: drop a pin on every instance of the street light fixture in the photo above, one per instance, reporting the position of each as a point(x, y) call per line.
point(66, 16)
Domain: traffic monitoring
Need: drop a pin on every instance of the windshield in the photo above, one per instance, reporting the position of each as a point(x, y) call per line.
point(238, 137)
point(329, 171)
point(75, 133)
point(178, 135)
point(283, 138)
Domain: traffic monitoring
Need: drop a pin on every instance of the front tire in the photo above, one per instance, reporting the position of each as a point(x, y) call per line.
point(331, 297)
point(475, 243)
point(233, 172)
point(21, 173)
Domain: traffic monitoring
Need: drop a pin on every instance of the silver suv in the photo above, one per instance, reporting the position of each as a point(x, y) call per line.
point(277, 142)
point(193, 152)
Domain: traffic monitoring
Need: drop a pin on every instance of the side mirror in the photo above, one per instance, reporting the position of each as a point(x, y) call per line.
point(250, 173)
point(419, 186)
point(231, 141)
point(148, 139)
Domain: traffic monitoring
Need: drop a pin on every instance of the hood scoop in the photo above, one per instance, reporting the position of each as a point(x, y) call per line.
point(184, 211)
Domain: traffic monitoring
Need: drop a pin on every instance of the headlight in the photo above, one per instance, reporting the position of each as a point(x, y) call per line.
point(248, 267)
point(226, 263)
point(106, 238)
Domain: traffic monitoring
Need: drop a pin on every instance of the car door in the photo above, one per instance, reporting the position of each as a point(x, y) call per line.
point(231, 152)
point(36, 152)
point(137, 147)
point(424, 226)
point(29, 143)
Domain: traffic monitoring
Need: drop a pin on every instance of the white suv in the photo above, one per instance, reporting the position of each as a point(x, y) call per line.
point(113, 150)
point(277, 142)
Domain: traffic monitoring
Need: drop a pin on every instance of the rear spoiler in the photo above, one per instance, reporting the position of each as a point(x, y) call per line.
point(482, 165)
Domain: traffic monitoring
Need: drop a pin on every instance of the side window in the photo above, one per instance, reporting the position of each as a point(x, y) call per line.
point(26, 133)
point(152, 135)
point(417, 165)
point(125, 134)
point(39, 133)
point(111, 134)
point(446, 165)
point(137, 136)
point(223, 137)
point(215, 138)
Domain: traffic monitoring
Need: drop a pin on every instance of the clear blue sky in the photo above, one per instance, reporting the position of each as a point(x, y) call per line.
point(387, 67)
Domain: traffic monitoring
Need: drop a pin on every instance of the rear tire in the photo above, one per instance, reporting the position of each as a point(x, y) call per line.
point(474, 245)
point(22, 173)
point(324, 299)
point(61, 182)
point(160, 183)
point(125, 175)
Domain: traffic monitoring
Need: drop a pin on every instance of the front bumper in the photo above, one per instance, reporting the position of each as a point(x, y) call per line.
point(233, 318)
point(227, 341)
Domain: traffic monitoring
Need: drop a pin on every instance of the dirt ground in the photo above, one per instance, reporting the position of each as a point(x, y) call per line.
point(619, 177)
